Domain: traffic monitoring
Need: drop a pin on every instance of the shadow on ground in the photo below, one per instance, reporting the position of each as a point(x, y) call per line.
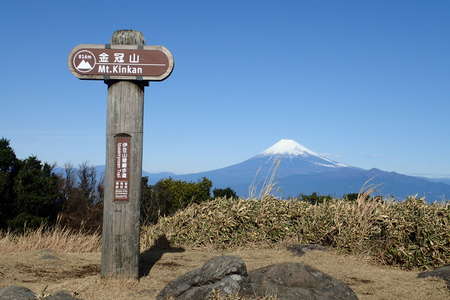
point(150, 257)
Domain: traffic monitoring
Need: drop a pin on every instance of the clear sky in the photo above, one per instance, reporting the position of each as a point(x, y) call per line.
point(364, 82)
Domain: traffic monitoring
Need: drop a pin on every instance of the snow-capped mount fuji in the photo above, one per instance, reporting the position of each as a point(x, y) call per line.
point(299, 170)
point(288, 147)
point(292, 159)
point(284, 158)
point(285, 148)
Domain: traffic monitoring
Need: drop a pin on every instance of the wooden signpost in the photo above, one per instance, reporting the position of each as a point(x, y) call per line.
point(126, 66)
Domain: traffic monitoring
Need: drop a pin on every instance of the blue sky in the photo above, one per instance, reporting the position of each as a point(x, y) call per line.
point(364, 82)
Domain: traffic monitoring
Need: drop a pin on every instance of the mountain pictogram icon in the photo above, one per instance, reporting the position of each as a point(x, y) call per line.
point(84, 65)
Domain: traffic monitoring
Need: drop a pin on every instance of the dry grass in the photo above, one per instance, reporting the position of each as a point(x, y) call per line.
point(409, 234)
point(58, 238)
point(218, 296)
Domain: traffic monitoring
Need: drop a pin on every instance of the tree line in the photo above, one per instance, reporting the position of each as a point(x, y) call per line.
point(32, 194)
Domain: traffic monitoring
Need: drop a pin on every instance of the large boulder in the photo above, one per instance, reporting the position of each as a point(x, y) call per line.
point(16, 293)
point(228, 275)
point(442, 272)
point(225, 274)
point(289, 281)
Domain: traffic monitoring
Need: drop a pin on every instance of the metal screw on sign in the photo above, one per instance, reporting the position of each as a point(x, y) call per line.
point(126, 65)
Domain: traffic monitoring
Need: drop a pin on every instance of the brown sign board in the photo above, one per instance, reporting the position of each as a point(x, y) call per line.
point(120, 62)
point(122, 161)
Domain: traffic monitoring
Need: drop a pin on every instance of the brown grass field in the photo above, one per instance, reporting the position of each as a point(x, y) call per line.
point(47, 271)
point(375, 263)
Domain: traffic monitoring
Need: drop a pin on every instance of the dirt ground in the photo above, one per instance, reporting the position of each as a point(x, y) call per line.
point(46, 271)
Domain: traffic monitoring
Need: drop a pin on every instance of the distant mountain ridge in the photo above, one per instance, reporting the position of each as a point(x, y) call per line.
point(302, 171)
point(442, 180)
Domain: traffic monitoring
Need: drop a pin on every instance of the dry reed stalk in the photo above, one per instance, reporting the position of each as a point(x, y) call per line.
point(252, 188)
point(268, 185)
point(366, 206)
point(269, 182)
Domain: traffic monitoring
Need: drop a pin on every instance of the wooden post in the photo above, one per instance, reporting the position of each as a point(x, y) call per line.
point(120, 247)
point(126, 65)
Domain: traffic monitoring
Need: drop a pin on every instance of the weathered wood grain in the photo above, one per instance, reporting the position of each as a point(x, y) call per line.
point(120, 247)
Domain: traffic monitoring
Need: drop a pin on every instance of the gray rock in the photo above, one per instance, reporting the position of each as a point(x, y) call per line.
point(16, 293)
point(442, 272)
point(226, 274)
point(289, 281)
point(61, 295)
point(299, 250)
point(47, 254)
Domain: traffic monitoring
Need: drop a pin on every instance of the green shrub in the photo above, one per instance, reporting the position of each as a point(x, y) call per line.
point(314, 198)
point(224, 193)
point(26, 221)
point(350, 197)
point(168, 196)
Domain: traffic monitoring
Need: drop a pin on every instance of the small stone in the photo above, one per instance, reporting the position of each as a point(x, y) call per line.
point(61, 295)
point(47, 254)
point(236, 277)
point(300, 250)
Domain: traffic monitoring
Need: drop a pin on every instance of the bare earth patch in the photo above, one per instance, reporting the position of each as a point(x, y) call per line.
point(46, 271)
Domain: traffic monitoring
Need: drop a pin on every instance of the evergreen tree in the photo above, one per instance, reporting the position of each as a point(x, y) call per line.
point(38, 194)
point(8, 170)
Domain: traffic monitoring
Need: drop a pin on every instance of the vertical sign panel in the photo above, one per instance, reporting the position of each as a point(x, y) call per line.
point(121, 182)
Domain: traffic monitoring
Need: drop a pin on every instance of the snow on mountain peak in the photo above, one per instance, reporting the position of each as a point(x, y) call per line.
point(288, 147)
